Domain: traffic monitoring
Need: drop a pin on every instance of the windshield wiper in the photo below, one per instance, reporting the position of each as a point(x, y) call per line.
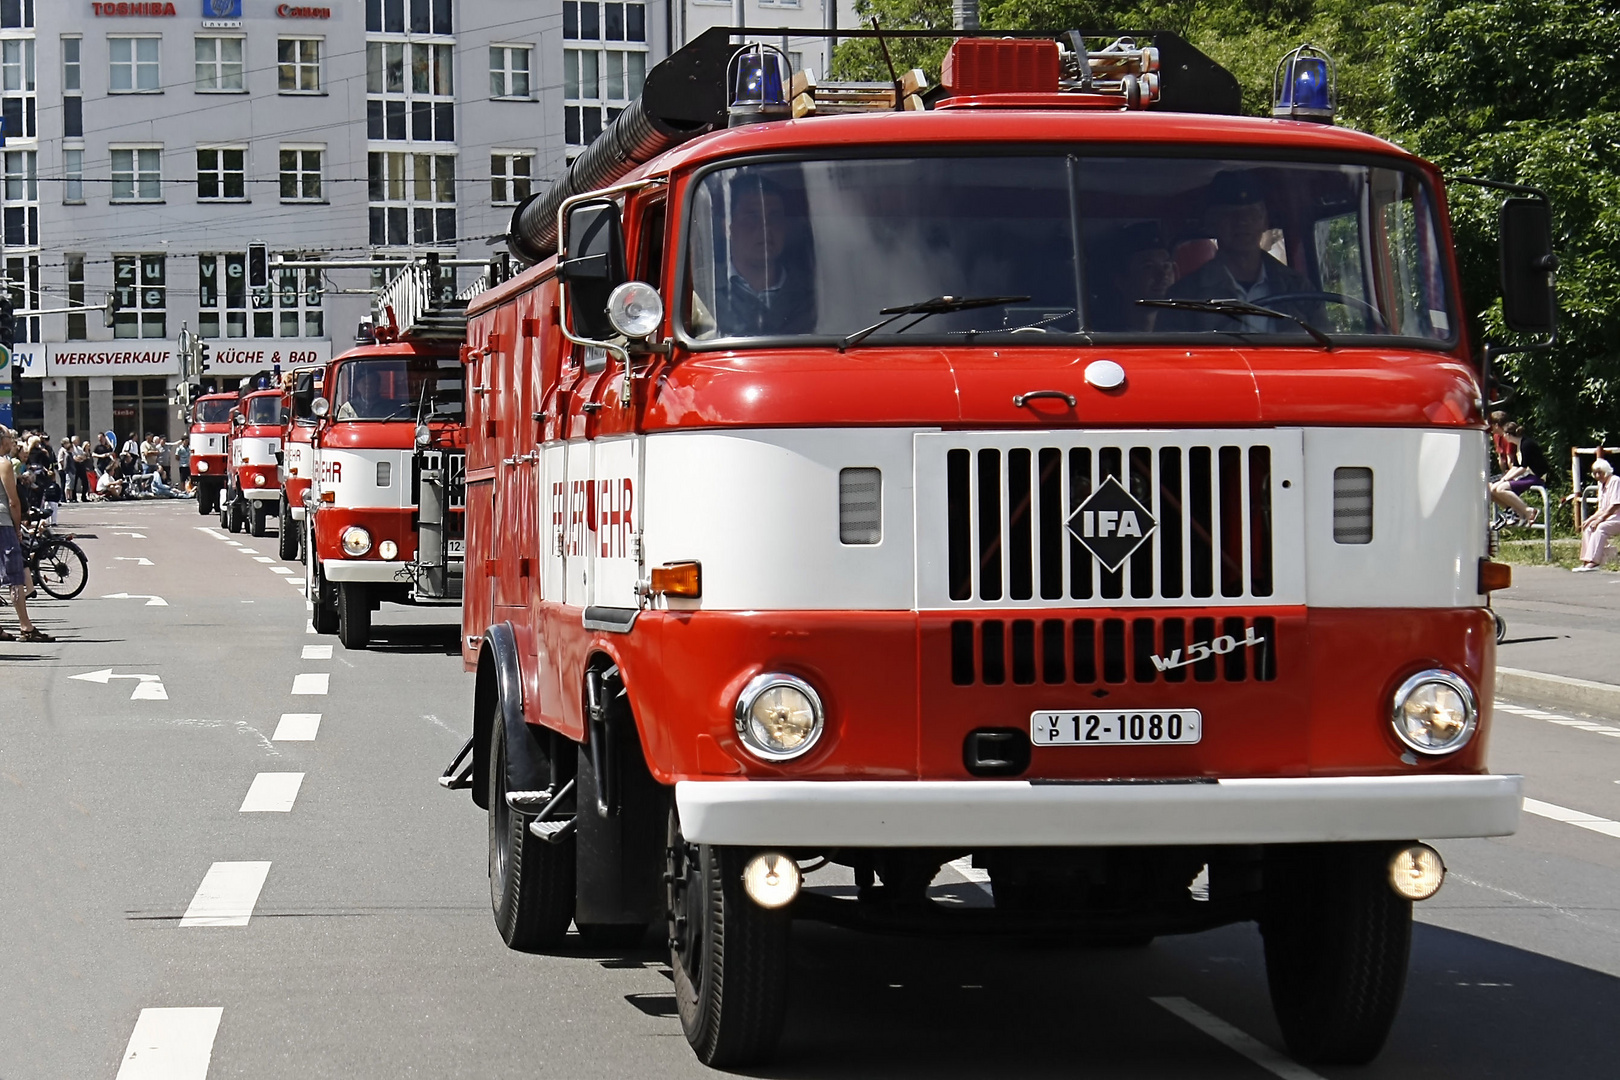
point(939, 305)
point(1237, 309)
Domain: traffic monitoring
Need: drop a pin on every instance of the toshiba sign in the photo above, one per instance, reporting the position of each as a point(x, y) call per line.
point(148, 9)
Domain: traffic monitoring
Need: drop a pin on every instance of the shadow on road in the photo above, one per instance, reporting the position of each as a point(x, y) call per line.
point(442, 638)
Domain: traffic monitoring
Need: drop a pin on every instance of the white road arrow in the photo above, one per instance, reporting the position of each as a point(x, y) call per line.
point(148, 688)
point(137, 561)
point(151, 601)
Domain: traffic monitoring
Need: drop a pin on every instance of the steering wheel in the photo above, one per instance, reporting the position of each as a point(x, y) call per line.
point(1333, 297)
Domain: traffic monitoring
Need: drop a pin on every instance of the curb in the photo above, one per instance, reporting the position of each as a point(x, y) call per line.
point(1518, 684)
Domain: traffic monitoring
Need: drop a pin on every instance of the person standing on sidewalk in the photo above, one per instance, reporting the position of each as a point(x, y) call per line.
point(13, 571)
point(1598, 529)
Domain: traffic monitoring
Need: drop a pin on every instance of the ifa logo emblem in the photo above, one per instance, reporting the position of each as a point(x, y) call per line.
point(1111, 524)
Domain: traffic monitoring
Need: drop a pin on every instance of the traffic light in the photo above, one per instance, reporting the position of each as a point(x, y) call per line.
point(202, 357)
point(8, 322)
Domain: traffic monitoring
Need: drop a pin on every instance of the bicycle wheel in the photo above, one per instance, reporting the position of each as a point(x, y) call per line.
point(61, 569)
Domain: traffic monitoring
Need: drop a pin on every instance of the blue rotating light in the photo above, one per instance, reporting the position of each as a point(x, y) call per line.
point(1303, 87)
point(758, 80)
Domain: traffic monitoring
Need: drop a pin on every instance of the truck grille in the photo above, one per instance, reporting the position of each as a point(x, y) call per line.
point(1016, 518)
point(993, 652)
point(454, 463)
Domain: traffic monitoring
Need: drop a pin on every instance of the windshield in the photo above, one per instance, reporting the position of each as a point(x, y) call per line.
point(214, 412)
point(394, 388)
point(1065, 245)
point(264, 410)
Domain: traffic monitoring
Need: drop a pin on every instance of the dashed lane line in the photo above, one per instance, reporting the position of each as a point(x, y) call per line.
point(1560, 719)
point(1578, 818)
point(310, 683)
point(297, 727)
point(272, 793)
point(247, 551)
point(227, 894)
point(1274, 1062)
point(171, 1044)
point(317, 652)
point(280, 570)
point(263, 558)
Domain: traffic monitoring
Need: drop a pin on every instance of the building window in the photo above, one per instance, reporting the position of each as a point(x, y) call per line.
point(140, 285)
point(413, 199)
point(420, 108)
point(17, 80)
point(73, 176)
point(408, 17)
point(290, 306)
point(510, 172)
point(141, 406)
point(22, 198)
point(509, 71)
point(137, 174)
point(298, 303)
point(298, 65)
point(16, 14)
point(219, 66)
point(222, 295)
point(301, 174)
point(134, 65)
point(604, 72)
point(78, 406)
point(77, 325)
point(72, 90)
point(222, 173)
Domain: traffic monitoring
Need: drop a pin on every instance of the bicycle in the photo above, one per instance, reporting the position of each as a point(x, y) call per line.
point(56, 564)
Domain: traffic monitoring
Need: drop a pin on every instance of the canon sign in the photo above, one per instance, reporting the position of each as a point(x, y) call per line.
point(289, 11)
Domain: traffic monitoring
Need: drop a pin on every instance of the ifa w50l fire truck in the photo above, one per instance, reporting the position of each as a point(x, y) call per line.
point(384, 517)
point(208, 439)
point(1048, 472)
point(253, 470)
point(297, 458)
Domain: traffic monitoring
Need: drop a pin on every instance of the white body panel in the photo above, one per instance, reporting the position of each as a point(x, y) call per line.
point(207, 443)
point(298, 460)
point(254, 450)
point(351, 477)
point(616, 475)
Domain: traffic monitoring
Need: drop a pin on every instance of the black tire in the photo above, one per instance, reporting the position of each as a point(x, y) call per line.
point(1337, 942)
point(286, 533)
point(61, 569)
point(531, 881)
point(204, 504)
point(324, 615)
point(257, 513)
point(353, 615)
point(729, 955)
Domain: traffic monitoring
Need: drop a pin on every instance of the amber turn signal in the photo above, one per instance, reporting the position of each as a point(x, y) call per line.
point(328, 496)
point(678, 579)
point(1494, 575)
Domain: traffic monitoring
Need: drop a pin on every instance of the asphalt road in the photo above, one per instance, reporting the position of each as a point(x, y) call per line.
point(369, 951)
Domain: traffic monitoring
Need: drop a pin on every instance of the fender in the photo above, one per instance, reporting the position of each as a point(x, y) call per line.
point(528, 768)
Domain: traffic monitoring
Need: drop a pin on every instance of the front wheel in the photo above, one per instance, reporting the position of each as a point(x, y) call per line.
point(1337, 941)
point(531, 881)
point(353, 615)
point(257, 512)
point(62, 570)
point(323, 615)
point(286, 533)
point(728, 954)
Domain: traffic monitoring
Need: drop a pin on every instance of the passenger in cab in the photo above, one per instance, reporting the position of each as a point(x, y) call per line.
point(1146, 273)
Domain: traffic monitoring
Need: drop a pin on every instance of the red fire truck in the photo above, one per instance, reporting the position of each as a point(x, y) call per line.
point(297, 464)
point(209, 442)
point(253, 473)
point(1051, 469)
point(385, 511)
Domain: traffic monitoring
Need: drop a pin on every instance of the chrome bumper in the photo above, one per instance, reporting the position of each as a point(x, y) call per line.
point(364, 570)
point(1021, 813)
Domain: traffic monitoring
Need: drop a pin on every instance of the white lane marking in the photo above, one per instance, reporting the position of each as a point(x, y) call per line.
point(1233, 1038)
point(310, 684)
point(965, 867)
point(151, 601)
point(263, 558)
point(227, 894)
point(147, 688)
point(211, 531)
point(1560, 719)
point(317, 652)
point(131, 535)
point(137, 560)
point(309, 628)
point(297, 727)
point(171, 1044)
point(247, 551)
point(280, 570)
point(1577, 818)
point(272, 793)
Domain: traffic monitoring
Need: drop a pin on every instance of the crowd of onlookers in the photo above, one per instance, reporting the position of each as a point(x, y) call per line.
point(1521, 467)
point(77, 469)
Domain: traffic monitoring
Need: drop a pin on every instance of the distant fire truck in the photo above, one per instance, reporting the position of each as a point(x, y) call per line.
point(208, 439)
point(297, 463)
point(253, 470)
point(1050, 468)
point(385, 508)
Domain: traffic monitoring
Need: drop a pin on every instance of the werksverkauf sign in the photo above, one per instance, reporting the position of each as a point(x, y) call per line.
point(125, 359)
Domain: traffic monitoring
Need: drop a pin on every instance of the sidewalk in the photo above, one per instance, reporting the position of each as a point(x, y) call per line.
point(1563, 639)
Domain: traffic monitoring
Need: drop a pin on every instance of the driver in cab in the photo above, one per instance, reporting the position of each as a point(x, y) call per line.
point(367, 399)
point(767, 291)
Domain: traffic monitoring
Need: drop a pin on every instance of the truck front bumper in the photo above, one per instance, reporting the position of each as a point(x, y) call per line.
point(1021, 813)
point(372, 570)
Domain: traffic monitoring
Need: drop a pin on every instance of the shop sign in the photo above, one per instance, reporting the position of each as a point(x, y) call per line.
point(223, 14)
point(295, 11)
point(124, 359)
point(28, 360)
point(247, 356)
point(137, 9)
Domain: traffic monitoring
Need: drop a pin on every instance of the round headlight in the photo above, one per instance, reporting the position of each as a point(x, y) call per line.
point(1434, 712)
point(202, 466)
point(779, 717)
point(258, 480)
point(387, 549)
point(635, 309)
point(356, 541)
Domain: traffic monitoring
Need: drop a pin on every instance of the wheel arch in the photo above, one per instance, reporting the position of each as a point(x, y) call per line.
point(498, 690)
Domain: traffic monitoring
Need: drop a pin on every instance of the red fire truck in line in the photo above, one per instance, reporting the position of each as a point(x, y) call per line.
point(385, 509)
point(253, 472)
point(1051, 468)
point(209, 442)
point(297, 462)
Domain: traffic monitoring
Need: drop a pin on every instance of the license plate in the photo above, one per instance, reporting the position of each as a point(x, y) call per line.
point(455, 547)
point(1159, 727)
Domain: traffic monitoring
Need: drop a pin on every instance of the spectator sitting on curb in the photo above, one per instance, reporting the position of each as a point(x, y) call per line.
point(1526, 468)
point(1601, 526)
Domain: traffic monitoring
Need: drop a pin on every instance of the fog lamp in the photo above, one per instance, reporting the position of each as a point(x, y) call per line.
point(771, 880)
point(1434, 712)
point(202, 466)
point(387, 549)
point(1416, 872)
point(635, 309)
point(356, 541)
point(779, 717)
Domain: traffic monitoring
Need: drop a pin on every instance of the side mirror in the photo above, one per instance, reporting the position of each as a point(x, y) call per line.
point(320, 407)
point(593, 237)
point(1529, 301)
point(236, 417)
